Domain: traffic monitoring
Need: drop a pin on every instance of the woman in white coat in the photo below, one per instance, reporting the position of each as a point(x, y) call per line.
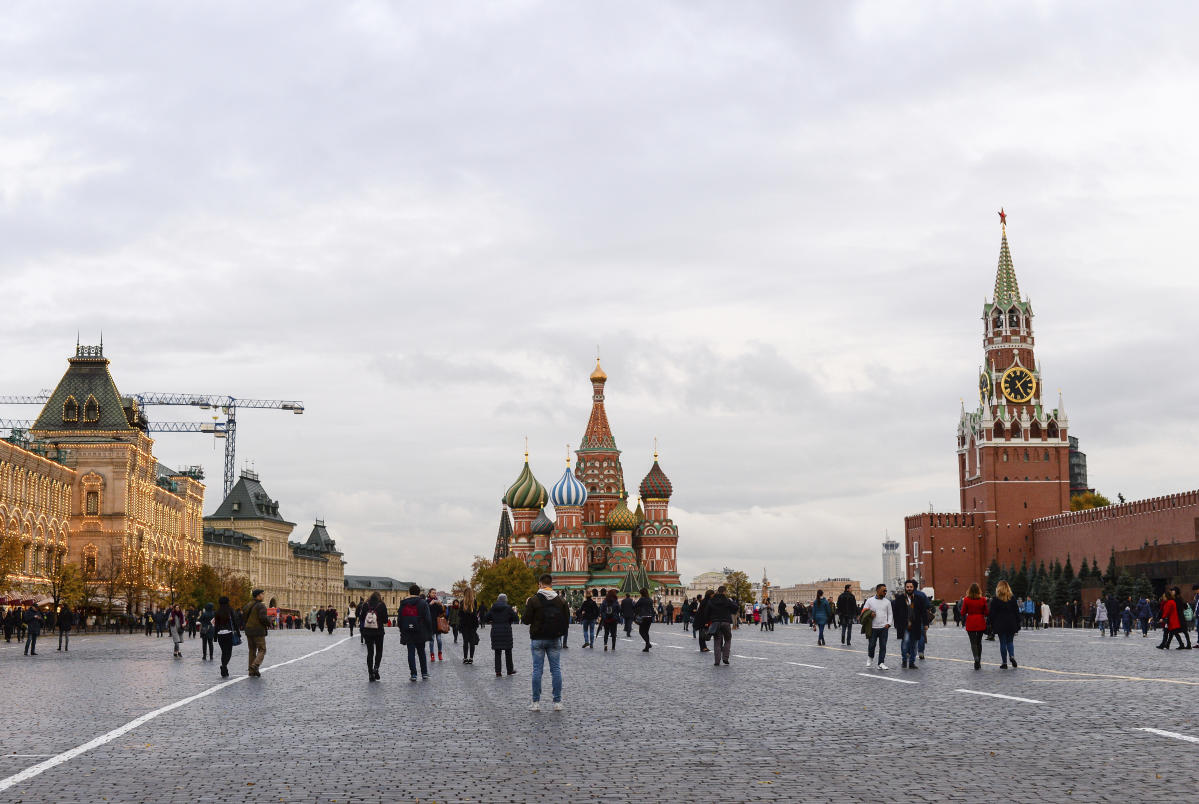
point(1100, 616)
point(1046, 614)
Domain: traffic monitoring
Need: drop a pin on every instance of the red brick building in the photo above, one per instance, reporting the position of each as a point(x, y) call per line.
point(1013, 455)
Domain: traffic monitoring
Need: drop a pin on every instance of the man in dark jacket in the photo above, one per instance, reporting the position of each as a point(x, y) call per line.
point(255, 618)
point(720, 611)
point(33, 627)
point(548, 618)
point(1113, 614)
point(847, 614)
point(910, 627)
point(628, 610)
point(66, 620)
point(588, 614)
point(415, 624)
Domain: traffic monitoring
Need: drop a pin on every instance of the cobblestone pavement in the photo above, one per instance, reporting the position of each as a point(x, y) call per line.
point(786, 721)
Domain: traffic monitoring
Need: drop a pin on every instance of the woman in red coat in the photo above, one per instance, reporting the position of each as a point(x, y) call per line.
point(974, 608)
point(1171, 623)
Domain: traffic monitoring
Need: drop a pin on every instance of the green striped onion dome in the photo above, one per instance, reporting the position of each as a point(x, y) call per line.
point(526, 492)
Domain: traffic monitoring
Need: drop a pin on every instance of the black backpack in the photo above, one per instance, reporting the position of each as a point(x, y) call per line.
point(553, 619)
point(611, 613)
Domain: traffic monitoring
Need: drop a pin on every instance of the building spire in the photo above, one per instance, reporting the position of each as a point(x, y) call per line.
point(1007, 289)
point(598, 434)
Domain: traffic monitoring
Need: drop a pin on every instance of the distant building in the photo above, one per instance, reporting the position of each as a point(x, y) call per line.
point(1078, 469)
point(247, 535)
point(893, 575)
point(360, 587)
point(806, 592)
point(703, 582)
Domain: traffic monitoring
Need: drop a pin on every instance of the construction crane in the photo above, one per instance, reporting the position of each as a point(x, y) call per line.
point(227, 429)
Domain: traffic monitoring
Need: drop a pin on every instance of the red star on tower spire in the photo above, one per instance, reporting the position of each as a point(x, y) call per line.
point(1002, 217)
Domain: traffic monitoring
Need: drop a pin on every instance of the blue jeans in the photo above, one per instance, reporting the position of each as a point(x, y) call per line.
point(911, 644)
point(878, 636)
point(846, 631)
point(1007, 648)
point(434, 639)
point(415, 650)
point(588, 631)
point(542, 648)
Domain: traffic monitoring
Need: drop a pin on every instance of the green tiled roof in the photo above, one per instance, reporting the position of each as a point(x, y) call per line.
point(97, 403)
point(1007, 289)
point(248, 500)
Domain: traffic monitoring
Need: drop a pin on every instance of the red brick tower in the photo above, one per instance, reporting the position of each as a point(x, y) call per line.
point(1013, 455)
point(598, 469)
point(525, 497)
point(657, 536)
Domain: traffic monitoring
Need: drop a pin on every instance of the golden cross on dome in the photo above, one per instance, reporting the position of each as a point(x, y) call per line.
point(655, 448)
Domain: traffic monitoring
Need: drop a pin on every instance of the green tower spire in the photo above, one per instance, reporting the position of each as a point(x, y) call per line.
point(1007, 289)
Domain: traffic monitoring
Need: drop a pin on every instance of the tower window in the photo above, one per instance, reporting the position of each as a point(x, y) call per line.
point(1013, 319)
point(70, 410)
point(91, 410)
point(1046, 455)
point(1026, 456)
point(92, 503)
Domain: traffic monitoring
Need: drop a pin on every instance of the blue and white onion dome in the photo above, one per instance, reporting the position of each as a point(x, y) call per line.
point(568, 490)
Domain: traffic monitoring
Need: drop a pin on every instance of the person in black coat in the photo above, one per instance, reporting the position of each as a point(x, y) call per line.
point(33, 625)
point(702, 620)
point(643, 610)
point(66, 620)
point(628, 610)
point(501, 617)
point(415, 624)
point(372, 626)
point(1005, 622)
point(468, 625)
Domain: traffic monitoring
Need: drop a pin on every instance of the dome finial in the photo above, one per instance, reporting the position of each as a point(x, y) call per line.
point(655, 448)
point(568, 456)
point(526, 449)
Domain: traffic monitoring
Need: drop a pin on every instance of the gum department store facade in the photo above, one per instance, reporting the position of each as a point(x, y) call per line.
point(1013, 454)
point(85, 487)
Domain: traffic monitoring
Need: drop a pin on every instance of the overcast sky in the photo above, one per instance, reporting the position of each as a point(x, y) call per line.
point(776, 220)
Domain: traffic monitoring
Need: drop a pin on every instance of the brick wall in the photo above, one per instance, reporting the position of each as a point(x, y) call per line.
point(1172, 519)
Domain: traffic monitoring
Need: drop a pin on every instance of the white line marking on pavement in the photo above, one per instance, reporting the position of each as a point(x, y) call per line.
point(759, 658)
point(888, 678)
point(672, 647)
point(108, 737)
point(1173, 734)
point(801, 664)
point(28, 755)
point(997, 695)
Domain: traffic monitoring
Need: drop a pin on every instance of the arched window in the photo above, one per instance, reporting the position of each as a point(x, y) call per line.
point(997, 321)
point(1053, 429)
point(1046, 458)
point(91, 410)
point(1015, 431)
point(1013, 319)
point(998, 430)
point(70, 410)
point(1003, 457)
point(92, 503)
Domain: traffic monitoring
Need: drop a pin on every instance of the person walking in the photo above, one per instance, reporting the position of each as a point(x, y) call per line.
point(879, 618)
point(453, 617)
point(669, 613)
point(916, 612)
point(588, 613)
point(719, 613)
point(33, 620)
point(610, 617)
point(500, 617)
point(207, 631)
point(468, 624)
point(1144, 616)
point(176, 622)
point(254, 617)
point(352, 618)
point(644, 612)
point(225, 622)
point(415, 623)
point(822, 615)
point(548, 618)
point(1005, 622)
point(66, 621)
point(437, 612)
point(685, 615)
point(628, 612)
point(974, 608)
point(372, 627)
point(1101, 616)
point(847, 613)
point(702, 623)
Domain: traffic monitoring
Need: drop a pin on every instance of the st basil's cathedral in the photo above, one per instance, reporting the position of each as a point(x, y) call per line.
point(594, 541)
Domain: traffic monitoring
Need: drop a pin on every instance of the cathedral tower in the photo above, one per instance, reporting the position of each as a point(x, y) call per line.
point(598, 469)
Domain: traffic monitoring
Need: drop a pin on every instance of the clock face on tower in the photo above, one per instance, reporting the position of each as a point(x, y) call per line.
point(1018, 384)
point(984, 387)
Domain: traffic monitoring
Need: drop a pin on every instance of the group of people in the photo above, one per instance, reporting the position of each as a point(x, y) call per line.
point(27, 622)
point(1171, 612)
point(322, 619)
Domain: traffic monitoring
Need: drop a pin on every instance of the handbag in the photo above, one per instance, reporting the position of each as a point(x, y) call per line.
point(443, 625)
point(711, 630)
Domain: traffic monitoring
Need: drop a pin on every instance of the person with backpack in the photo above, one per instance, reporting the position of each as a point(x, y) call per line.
point(468, 624)
point(501, 616)
point(720, 612)
point(847, 613)
point(415, 624)
point(374, 621)
point(254, 617)
point(548, 618)
point(610, 617)
point(644, 612)
point(588, 613)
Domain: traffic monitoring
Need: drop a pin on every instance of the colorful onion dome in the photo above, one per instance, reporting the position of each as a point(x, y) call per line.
point(526, 492)
point(598, 375)
point(542, 525)
point(568, 490)
point(656, 485)
point(621, 518)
